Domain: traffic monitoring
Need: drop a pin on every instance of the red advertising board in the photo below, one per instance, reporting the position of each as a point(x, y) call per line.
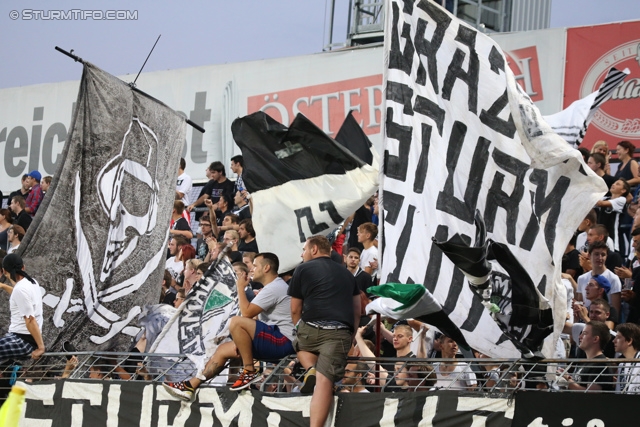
point(327, 104)
point(591, 51)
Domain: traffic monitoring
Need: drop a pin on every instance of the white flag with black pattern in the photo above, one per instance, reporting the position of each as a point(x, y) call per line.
point(302, 182)
point(460, 136)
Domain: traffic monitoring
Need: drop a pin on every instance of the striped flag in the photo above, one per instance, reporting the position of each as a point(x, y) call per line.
point(572, 122)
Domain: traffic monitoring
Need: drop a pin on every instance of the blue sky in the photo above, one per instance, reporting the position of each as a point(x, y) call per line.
point(197, 33)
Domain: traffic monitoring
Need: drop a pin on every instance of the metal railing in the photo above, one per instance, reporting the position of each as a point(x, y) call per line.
point(494, 376)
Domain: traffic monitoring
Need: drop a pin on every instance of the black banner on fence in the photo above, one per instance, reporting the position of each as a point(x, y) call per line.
point(115, 403)
point(538, 409)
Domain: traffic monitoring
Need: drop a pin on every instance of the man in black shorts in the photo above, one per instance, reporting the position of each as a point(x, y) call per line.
point(325, 305)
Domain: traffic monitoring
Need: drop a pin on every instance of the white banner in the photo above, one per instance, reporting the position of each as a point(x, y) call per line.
point(462, 136)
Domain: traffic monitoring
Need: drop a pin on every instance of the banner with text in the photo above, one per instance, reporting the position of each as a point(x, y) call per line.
point(461, 135)
point(91, 403)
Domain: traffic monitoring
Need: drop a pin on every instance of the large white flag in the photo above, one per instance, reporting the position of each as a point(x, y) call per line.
point(460, 136)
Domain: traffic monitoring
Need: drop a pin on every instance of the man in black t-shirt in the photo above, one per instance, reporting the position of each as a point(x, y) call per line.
point(248, 236)
point(363, 279)
point(217, 186)
point(325, 305)
point(24, 190)
point(597, 376)
point(20, 215)
point(179, 225)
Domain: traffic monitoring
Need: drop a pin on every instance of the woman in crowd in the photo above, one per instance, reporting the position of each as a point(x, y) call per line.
point(185, 253)
point(602, 148)
point(191, 274)
point(597, 163)
point(628, 168)
point(5, 223)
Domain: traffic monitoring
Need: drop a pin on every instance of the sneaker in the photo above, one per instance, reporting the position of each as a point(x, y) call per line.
point(245, 380)
point(181, 390)
point(309, 382)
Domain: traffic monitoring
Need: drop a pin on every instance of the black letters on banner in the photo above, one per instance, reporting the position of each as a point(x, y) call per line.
point(396, 166)
point(475, 313)
point(498, 198)
point(392, 204)
point(429, 48)
point(490, 118)
point(402, 245)
point(542, 204)
point(400, 60)
point(313, 227)
point(401, 94)
point(496, 60)
point(457, 282)
point(423, 163)
point(471, 77)
point(447, 202)
point(330, 208)
point(430, 109)
point(435, 259)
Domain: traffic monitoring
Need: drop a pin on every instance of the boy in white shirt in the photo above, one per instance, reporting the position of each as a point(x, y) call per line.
point(367, 234)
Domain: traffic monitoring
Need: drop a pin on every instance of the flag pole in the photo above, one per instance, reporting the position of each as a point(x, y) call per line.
point(145, 61)
point(78, 59)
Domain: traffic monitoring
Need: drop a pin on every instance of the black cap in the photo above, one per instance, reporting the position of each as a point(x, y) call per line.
point(11, 264)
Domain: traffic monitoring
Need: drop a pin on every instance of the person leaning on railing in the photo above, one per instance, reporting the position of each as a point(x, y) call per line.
point(596, 376)
point(453, 375)
point(627, 342)
point(25, 331)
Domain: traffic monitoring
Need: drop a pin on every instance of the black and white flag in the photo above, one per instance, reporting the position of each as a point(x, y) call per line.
point(200, 324)
point(98, 242)
point(505, 286)
point(572, 122)
point(460, 136)
point(302, 182)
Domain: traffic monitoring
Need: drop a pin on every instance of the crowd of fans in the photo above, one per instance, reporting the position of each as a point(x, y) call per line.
point(599, 270)
point(279, 313)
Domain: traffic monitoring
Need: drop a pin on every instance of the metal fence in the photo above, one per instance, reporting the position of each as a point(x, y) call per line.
point(494, 376)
